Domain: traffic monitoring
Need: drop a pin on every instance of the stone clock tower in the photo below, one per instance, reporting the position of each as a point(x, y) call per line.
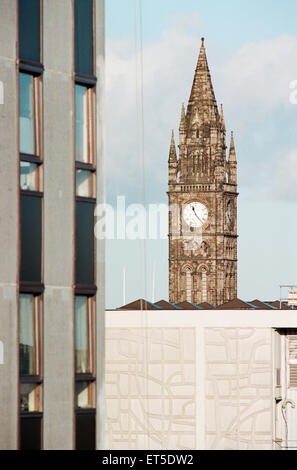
point(203, 201)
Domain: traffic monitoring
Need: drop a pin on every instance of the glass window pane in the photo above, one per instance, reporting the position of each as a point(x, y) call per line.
point(30, 238)
point(29, 176)
point(85, 428)
point(81, 335)
point(84, 183)
point(81, 128)
point(84, 395)
point(84, 243)
point(30, 433)
point(27, 128)
point(84, 36)
point(27, 336)
point(29, 30)
point(30, 398)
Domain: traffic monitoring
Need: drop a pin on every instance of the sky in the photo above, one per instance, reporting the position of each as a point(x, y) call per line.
point(252, 54)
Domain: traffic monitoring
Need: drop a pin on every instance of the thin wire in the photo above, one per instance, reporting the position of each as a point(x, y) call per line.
point(141, 184)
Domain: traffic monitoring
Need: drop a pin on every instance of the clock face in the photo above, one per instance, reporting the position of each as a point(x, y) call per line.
point(195, 214)
point(229, 213)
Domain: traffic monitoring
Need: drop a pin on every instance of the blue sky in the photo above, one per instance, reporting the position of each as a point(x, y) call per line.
point(230, 22)
point(252, 53)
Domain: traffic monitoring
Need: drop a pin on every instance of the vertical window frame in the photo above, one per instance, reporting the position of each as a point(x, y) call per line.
point(38, 398)
point(37, 335)
point(37, 114)
point(91, 184)
point(90, 97)
point(90, 326)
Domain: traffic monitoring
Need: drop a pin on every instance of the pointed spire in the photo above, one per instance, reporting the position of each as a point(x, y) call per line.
point(182, 118)
point(172, 152)
point(182, 127)
point(202, 94)
point(232, 153)
point(222, 118)
point(202, 60)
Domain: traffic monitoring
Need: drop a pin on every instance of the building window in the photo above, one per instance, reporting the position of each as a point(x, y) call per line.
point(85, 431)
point(204, 286)
point(84, 56)
point(30, 372)
point(29, 99)
point(31, 244)
point(84, 243)
point(85, 184)
point(30, 398)
point(189, 286)
point(29, 30)
point(84, 341)
point(30, 176)
point(84, 124)
point(30, 432)
point(29, 334)
point(85, 395)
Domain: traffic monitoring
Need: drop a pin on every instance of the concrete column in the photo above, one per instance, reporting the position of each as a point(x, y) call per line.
point(9, 221)
point(100, 249)
point(58, 224)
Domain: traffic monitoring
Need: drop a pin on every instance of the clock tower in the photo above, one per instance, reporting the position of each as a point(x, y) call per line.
point(202, 200)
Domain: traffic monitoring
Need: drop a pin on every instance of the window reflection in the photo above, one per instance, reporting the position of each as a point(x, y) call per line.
point(81, 335)
point(84, 396)
point(84, 124)
point(81, 137)
point(27, 128)
point(84, 187)
point(28, 176)
point(30, 399)
point(27, 336)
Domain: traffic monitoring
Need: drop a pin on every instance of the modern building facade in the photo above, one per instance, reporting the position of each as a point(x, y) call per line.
point(184, 377)
point(202, 194)
point(52, 267)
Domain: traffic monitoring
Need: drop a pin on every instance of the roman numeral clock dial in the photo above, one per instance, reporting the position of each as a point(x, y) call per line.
point(195, 214)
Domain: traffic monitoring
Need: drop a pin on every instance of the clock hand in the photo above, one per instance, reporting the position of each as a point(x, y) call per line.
point(193, 209)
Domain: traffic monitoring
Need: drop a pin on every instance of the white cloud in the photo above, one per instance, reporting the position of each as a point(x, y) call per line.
point(253, 83)
point(255, 80)
point(284, 186)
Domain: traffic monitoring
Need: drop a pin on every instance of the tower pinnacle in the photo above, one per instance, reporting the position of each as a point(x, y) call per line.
point(182, 118)
point(202, 98)
point(172, 151)
point(232, 152)
point(222, 117)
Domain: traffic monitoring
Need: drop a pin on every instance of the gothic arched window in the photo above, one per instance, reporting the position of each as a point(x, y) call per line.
point(189, 286)
point(204, 286)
